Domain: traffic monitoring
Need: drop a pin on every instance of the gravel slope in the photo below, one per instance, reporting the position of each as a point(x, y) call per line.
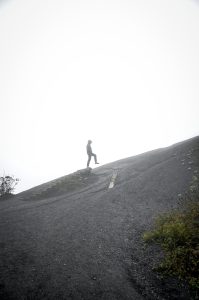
point(74, 238)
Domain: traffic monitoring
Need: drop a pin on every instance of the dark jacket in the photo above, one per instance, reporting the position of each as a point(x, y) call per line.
point(89, 149)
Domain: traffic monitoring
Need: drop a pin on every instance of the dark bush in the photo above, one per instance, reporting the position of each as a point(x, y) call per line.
point(7, 184)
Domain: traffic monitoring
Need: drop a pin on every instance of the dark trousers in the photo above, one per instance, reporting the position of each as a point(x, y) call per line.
point(89, 158)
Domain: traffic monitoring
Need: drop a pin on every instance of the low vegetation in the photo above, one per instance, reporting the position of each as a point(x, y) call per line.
point(178, 235)
point(7, 184)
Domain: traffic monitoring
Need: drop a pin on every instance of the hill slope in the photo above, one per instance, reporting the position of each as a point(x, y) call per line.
point(76, 238)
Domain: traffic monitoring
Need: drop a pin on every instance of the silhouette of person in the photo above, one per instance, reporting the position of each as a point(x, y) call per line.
point(90, 153)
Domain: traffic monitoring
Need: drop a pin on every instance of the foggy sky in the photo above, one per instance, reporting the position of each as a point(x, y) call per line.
point(122, 73)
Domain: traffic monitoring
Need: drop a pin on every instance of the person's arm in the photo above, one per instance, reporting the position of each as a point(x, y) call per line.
point(89, 149)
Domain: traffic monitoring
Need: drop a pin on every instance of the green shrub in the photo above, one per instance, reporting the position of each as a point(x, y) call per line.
point(178, 235)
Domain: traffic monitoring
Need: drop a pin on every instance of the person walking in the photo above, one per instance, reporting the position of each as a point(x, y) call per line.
point(90, 153)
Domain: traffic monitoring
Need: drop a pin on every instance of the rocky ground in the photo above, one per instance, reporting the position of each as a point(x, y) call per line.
point(76, 238)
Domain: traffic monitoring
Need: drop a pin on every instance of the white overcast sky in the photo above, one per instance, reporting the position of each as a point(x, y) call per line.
point(122, 73)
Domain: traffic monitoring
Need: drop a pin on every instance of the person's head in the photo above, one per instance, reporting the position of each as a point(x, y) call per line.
point(89, 141)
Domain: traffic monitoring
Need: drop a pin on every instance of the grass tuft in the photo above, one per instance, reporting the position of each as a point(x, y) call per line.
point(178, 235)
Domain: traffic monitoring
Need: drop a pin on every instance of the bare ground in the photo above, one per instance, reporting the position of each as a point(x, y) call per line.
point(74, 238)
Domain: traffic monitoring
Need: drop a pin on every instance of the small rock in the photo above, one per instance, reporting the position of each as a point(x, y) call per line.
point(179, 195)
point(192, 188)
point(196, 172)
point(190, 162)
point(189, 168)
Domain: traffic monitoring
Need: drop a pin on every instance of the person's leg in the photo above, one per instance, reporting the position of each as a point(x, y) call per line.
point(89, 159)
point(95, 158)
